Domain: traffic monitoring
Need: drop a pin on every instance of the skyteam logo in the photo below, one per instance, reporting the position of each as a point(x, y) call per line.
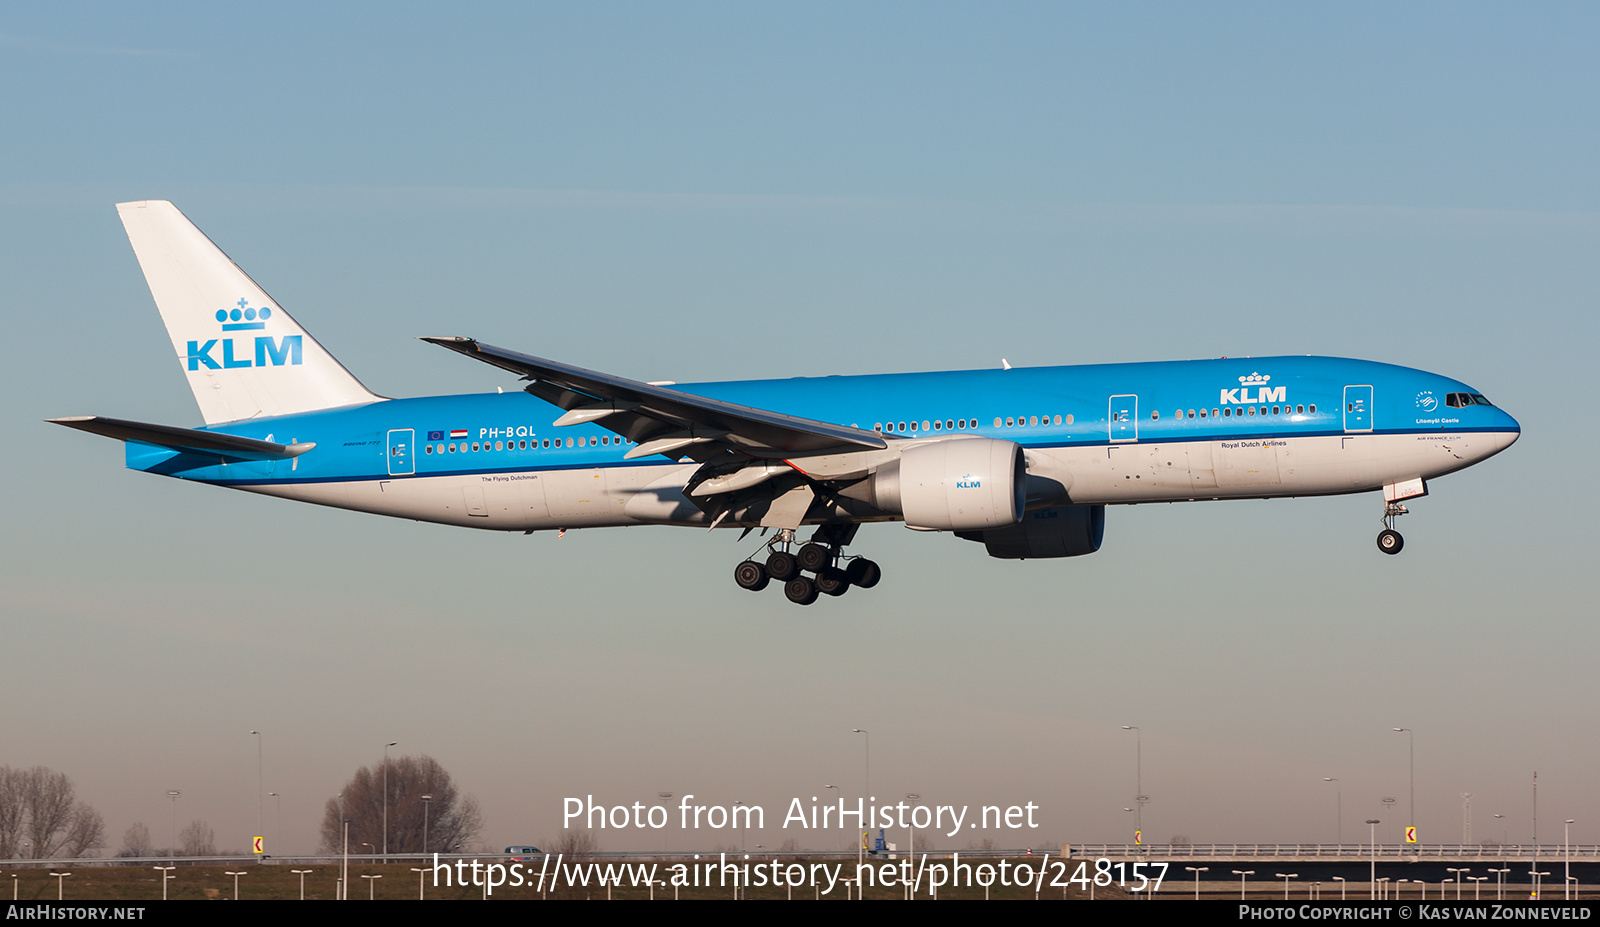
point(245, 317)
point(1263, 393)
point(1427, 401)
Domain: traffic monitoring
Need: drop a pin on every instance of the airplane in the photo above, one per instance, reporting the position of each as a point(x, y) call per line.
point(1022, 460)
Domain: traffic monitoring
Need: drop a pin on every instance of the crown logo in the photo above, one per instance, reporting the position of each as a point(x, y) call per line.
point(243, 317)
point(1253, 379)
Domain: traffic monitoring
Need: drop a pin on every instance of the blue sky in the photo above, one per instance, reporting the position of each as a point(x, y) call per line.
point(704, 191)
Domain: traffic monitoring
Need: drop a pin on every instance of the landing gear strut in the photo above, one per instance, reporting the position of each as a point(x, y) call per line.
point(833, 572)
point(1389, 540)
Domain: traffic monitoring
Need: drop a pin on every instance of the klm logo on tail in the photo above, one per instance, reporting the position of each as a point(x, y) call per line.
point(286, 350)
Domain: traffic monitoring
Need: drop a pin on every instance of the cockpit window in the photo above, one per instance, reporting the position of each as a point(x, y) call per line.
point(1462, 400)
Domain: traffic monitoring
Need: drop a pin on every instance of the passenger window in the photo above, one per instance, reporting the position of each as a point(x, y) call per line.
point(1010, 421)
point(936, 424)
point(1252, 410)
point(924, 425)
point(1058, 420)
point(1069, 420)
point(1191, 413)
point(1155, 416)
point(1313, 408)
point(1202, 413)
point(997, 423)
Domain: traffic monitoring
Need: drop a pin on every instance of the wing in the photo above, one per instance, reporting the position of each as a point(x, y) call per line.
point(668, 421)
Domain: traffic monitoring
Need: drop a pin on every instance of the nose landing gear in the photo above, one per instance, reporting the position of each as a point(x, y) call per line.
point(833, 572)
point(1389, 540)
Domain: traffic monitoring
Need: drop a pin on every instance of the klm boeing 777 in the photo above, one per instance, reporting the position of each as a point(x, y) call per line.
point(1022, 460)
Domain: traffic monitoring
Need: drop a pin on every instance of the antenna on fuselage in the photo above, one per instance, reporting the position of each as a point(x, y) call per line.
point(1005, 364)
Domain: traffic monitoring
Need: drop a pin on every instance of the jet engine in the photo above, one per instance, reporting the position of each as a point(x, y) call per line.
point(1065, 531)
point(958, 484)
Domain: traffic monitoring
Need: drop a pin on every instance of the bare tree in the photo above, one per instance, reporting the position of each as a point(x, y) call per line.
point(576, 844)
point(13, 807)
point(39, 804)
point(136, 841)
point(198, 839)
point(452, 820)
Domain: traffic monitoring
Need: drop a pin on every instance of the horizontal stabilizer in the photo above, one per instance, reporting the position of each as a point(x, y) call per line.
point(184, 439)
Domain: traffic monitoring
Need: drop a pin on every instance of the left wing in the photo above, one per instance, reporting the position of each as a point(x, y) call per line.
point(668, 421)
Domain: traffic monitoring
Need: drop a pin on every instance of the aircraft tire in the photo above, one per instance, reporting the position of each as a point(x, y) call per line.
point(800, 590)
point(1390, 541)
point(814, 558)
point(832, 581)
point(863, 572)
point(751, 575)
point(782, 566)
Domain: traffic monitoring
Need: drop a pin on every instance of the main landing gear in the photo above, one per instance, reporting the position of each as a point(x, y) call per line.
point(1389, 540)
point(832, 572)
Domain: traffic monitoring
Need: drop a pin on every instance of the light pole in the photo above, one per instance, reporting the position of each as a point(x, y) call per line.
point(261, 801)
point(1139, 798)
point(60, 878)
point(1411, 738)
point(1342, 884)
point(422, 874)
point(1372, 880)
point(1458, 879)
point(173, 794)
point(736, 804)
point(278, 801)
point(344, 873)
point(166, 876)
point(1197, 870)
point(1286, 876)
point(1500, 883)
point(372, 880)
point(1477, 886)
point(302, 874)
point(426, 801)
point(386, 795)
point(1339, 809)
point(1566, 850)
point(1241, 873)
point(236, 876)
point(911, 826)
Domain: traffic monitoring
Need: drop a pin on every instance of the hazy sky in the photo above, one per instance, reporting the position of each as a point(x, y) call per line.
point(704, 191)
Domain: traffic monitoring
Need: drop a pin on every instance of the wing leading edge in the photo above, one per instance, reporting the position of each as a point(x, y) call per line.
point(667, 421)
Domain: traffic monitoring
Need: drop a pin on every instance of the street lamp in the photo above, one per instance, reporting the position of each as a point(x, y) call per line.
point(1286, 876)
point(1477, 886)
point(421, 875)
point(1458, 878)
point(278, 836)
point(386, 795)
point(1139, 797)
point(372, 880)
point(1197, 870)
point(236, 876)
point(1372, 881)
point(1500, 881)
point(173, 794)
point(1411, 737)
point(1566, 845)
point(1241, 874)
point(166, 876)
point(426, 801)
point(1342, 884)
point(1339, 808)
point(302, 874)
point(261, 801)
point(60, 878)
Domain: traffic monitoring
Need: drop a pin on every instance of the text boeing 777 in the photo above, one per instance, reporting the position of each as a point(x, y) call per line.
point(1024, 460)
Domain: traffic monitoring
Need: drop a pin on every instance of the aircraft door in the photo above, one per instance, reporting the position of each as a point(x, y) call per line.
point(402, 441)
point(1358, 408)
point(1122, 418)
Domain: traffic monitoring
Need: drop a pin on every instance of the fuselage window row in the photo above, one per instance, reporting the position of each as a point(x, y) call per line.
point(522, 445)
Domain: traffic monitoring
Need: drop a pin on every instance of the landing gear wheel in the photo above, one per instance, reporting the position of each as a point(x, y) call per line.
point(813, 557)
point(751, 575)
point(800, 590)
point(832, 581)
point(1390, 541)
point(863, 572)
point(782, 566)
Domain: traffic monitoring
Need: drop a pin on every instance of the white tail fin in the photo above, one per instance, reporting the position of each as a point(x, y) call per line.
point(244, 356)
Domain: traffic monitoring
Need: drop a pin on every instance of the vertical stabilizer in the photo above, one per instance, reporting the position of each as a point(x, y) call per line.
point(244, 356)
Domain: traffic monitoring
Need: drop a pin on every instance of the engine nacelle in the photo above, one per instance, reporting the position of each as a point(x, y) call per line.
point(959, 484)
point(1067, 531)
